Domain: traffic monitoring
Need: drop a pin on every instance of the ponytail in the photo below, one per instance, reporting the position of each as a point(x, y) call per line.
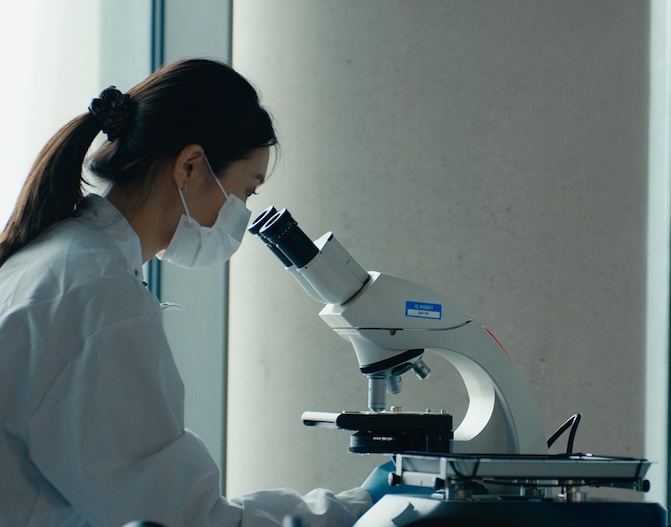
point(53, 187)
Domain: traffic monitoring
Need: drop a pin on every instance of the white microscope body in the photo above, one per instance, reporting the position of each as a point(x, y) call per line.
point(391, 322)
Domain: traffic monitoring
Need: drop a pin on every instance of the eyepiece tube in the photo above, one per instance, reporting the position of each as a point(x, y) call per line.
point(283, 231)
point(256, 225)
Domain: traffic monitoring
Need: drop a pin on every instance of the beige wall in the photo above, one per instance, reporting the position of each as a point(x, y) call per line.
point(493, 151)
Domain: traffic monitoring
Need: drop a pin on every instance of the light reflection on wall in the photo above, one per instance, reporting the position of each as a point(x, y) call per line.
point(50, 73)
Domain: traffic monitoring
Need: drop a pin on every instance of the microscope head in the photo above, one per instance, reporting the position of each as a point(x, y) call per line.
point(331, 272)
point(331, 275)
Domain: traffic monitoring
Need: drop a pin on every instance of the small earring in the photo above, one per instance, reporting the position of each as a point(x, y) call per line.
point(184, 187)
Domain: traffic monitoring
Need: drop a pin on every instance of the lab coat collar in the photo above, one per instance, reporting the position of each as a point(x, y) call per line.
point(106, 217)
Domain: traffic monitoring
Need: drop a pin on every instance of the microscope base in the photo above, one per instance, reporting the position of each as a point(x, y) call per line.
point(415, 511)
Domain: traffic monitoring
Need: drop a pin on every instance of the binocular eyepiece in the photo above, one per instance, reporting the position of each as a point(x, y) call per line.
point(281, 233)
point(324, 268)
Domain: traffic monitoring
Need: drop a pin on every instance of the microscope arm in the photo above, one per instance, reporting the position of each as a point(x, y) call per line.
point(502, 416)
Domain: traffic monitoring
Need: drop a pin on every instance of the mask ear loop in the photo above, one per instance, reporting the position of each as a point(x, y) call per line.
point(180, 190)
point(226, 194)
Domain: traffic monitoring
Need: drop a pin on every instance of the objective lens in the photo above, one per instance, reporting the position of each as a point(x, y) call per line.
point(394, 384)
point(283, 231)
point(421, 369)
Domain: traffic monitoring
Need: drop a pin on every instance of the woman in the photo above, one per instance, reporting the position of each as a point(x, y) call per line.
point(91, 405)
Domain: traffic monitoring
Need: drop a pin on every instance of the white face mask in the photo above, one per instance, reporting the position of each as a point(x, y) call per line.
point(195, 247)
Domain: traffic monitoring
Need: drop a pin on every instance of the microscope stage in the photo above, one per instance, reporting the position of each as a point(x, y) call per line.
point(390, 432)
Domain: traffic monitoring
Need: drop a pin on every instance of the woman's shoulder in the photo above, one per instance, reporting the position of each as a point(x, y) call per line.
point(70, 262)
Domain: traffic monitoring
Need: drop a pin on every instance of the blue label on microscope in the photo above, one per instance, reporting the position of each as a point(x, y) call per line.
point(423, 310)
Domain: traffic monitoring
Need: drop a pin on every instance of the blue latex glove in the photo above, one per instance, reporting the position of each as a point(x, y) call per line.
point(377, 483)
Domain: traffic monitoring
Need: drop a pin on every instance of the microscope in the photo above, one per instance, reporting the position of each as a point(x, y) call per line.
point(495, 467)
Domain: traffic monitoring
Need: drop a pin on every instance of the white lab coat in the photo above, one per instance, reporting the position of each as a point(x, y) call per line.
point(91, 402)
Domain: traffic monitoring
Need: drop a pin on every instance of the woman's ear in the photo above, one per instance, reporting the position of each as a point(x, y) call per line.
point(186, 160)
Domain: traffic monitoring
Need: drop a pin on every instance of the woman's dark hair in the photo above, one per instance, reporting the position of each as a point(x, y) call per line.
point(188, 102)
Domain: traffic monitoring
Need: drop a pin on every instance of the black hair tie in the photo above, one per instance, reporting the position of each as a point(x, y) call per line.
point(112, 110)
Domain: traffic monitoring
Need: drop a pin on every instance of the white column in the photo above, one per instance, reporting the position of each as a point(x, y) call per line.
point(657, 363)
